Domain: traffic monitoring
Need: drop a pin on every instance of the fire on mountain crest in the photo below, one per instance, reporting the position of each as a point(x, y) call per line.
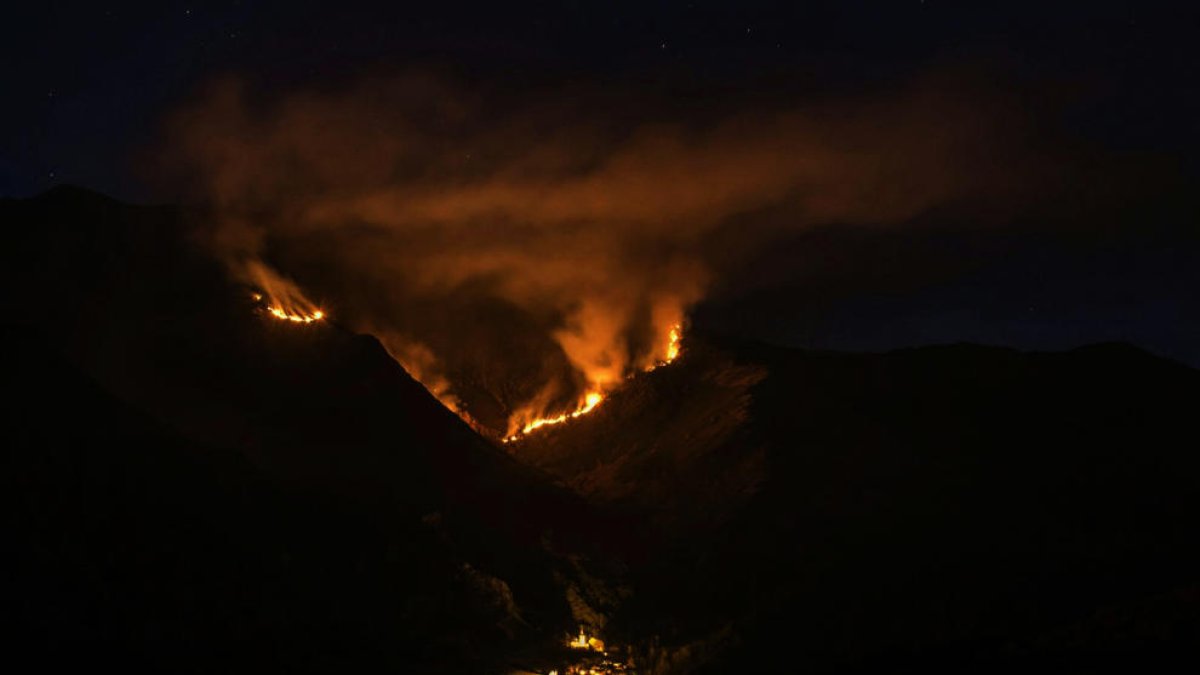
point(283, 299)
point(280, 297)
point(595, 398)
point(522, 262)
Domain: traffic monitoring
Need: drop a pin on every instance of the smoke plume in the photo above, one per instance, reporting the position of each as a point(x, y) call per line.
point(516, 253)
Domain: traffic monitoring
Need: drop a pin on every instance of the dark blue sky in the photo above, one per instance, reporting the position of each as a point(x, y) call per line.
point(87, 86)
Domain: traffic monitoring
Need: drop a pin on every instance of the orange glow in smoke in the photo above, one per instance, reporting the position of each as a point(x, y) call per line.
point(280, 313)
point(589, 404)
point(673, 343)
point(280, 297)
point(594, 398)
point(674, 337)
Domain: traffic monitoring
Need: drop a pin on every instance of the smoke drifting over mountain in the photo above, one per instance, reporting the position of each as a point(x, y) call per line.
point(515, 255)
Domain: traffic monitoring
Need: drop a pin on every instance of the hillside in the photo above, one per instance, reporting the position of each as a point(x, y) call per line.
point(941, 508)
point(254, 492)
point(194, 485)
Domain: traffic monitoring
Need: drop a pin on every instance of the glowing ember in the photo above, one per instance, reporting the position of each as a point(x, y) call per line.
point(673, 347)
point(590, 402)
point(673, 343)
point(277, 295)
point(593, 399)
point(280, 313)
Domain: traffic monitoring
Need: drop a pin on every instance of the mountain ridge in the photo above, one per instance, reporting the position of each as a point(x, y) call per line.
point(932, 508)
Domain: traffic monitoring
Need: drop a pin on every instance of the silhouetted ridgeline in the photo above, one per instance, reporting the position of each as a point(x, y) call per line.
point(194, 487)
point(197, 486)
point(953, 508)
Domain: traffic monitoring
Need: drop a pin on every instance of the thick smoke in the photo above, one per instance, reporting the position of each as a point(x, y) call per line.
point(514, 256)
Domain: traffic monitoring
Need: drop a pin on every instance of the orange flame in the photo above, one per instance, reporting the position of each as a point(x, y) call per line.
point(594, 398)
point(673, 344)
point(673, 347)
point(280, 313)
point(590, 401)
point(282, 297)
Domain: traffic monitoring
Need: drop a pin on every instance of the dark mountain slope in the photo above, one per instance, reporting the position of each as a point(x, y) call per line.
point(422, 544)
point(194, 485)
point(127, 545)
point(942, 508)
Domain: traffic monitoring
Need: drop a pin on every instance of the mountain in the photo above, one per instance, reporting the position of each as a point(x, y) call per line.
point(955, 508)
point(196, 486)
point(193, 486)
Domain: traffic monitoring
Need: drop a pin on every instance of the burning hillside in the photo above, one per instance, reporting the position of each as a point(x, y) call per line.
point(274, 309)
point(282, 299)
point(280, 313)
point(524, 261)
point(278, 296)
point(595, 398)
point(746, 507)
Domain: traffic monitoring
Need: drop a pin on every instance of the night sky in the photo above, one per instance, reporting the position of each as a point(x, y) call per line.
point(1107, 88)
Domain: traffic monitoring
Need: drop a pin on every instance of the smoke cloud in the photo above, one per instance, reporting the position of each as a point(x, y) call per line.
point(515, 253)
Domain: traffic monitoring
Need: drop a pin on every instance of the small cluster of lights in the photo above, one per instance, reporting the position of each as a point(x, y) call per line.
point(589, 643)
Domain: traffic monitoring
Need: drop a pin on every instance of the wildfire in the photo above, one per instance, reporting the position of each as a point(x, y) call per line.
point(594, 398)
point(673, 343)
point(281, 298)
point(280, 313)
point(590, 402)
point(278, 296)
point(674, 338)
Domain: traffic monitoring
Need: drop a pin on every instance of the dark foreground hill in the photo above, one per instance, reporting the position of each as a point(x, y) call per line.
point(193, 487)
point(952, 508)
